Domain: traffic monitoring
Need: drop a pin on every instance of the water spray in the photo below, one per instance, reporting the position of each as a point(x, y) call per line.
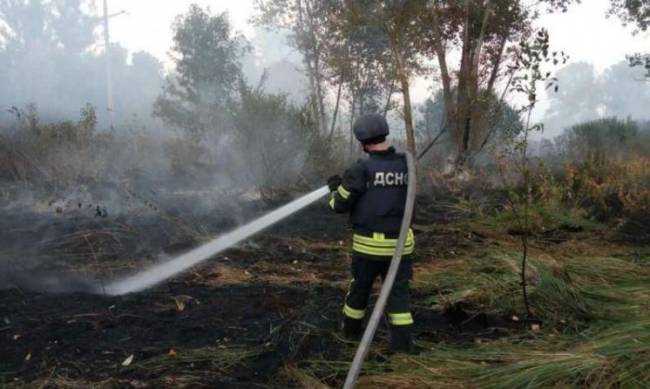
point(159, 273)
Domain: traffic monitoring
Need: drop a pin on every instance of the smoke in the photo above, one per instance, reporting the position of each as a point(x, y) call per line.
point(46, 282)
point(76, 197)
point(50, 59)
point(620, 91)
point(274, 66)
point(54, 65)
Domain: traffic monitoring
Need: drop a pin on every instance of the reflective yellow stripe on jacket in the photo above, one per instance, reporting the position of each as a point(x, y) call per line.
point(342, 192)
point(345, 194)
point(379, 245)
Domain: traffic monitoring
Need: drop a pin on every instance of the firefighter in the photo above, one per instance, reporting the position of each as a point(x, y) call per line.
point(373, 192)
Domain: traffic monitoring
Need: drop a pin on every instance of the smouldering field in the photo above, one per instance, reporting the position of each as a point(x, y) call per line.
point(266, 313)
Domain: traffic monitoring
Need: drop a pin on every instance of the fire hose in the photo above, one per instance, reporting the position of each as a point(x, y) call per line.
point(387, 286)
point(155, 275)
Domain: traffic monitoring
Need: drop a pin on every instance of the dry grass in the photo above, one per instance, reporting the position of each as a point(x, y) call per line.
point(594, 302)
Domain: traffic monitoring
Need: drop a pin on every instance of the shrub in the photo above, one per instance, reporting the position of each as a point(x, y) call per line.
point(56, 155)
point(279, 140)
point(610, 187)
point(610, 136)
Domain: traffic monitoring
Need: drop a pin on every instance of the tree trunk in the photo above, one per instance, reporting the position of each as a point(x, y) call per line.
point(404, 81)
point(336, 110)
point(320, 95)
point(477, 104)
point(352, 118)
point(305, 31)
point(491, 129)
point(462, 109)
point(463, 121)
point(408, 116)
point(494, 74)
point(388, 99)
point(444, 71)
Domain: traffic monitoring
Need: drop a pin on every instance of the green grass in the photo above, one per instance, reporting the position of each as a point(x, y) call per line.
point(596, 315)
point(542, 217)
point(616, 356)
point(594, 306)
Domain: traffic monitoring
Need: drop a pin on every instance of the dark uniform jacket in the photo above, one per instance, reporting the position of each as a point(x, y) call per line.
point(374, 193)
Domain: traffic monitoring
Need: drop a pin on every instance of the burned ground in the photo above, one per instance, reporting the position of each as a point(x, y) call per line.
point(244, 319)
point(235, 336)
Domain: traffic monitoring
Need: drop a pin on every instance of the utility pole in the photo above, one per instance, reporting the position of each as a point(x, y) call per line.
point(109, 77)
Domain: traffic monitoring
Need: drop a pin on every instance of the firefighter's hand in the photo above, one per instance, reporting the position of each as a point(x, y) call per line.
point(334, 182)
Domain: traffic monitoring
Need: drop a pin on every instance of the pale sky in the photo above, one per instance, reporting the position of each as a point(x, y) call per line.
point(147, 24)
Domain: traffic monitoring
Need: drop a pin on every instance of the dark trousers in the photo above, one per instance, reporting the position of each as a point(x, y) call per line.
point(364, 273)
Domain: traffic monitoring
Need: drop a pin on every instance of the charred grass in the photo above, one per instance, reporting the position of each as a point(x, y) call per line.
point(266, 314)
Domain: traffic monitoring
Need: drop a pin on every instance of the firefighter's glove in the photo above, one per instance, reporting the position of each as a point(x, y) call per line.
point(334, 182)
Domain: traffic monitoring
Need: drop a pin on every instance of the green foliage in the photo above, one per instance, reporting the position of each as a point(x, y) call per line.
point(488, 283)
point(359, 56)
point(556, 300)
point(208, 55)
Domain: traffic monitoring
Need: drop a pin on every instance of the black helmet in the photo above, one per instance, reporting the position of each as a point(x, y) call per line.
point(370, 127)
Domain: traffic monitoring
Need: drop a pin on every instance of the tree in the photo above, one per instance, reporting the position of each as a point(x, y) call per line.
point(636, 12)
point(305, 19)
point(378, 54)
point(206, 53)
point(530, 62)
point(609, 136)
point(402, 34)
point(487, 34)
point(363, 47)
point(356, 62)
point(503, 124)
point(287, 129)
point(393, 37)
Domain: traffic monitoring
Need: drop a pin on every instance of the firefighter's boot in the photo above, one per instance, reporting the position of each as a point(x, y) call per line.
point(352, 328)
point(401, 340)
